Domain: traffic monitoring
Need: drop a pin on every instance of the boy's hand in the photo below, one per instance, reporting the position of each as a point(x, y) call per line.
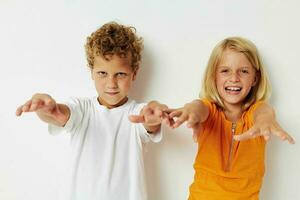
point(151, 116)
point(46, 108)
point(265, 125)
point(38, 102)
point(193, 113)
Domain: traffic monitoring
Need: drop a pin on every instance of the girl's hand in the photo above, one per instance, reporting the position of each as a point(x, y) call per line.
point(151, 116)
point(193, 113)
point(265, 125)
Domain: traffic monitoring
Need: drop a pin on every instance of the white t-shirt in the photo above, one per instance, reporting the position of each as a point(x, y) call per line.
point(107, 151)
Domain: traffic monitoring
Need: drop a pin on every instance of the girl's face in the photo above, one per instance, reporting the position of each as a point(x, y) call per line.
point(235, 76)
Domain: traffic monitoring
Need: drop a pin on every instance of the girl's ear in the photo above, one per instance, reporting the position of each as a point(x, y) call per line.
point(256, 78)
point(135, 72)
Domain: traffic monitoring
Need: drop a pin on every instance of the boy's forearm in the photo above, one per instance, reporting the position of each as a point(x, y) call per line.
point(59, 117)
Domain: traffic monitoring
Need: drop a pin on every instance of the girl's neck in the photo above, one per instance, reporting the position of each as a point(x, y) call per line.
point(233, 113)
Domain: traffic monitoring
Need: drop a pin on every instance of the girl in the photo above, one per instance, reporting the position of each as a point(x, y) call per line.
point(232, 109)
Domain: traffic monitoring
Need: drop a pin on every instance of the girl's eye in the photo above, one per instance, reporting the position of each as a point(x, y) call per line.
point(224, 70)
point(244, 71)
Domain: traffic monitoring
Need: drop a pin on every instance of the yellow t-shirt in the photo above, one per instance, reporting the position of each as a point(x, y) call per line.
point(226, 169)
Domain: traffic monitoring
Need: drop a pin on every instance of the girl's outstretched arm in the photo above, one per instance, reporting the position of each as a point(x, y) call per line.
point(265, 124)
point(194, 113)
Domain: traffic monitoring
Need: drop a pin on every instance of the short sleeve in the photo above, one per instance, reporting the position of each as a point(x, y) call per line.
point(74, 120)
point(212, 109)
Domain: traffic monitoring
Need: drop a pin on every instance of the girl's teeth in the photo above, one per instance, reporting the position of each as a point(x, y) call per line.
point(233, 88)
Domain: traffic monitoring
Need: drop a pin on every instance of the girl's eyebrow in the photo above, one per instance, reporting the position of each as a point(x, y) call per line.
point(245, 67)
point(225, 66)
point(222, 66)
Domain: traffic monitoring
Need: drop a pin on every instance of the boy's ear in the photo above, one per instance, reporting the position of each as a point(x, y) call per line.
point(135, 72)
point(92, 74)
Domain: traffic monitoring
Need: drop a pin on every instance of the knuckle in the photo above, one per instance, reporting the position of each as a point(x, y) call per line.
point(51, 101)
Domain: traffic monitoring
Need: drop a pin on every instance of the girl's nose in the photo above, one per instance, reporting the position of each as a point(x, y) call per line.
point(234, 77)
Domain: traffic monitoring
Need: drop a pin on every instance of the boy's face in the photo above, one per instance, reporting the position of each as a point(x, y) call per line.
point(113, 79)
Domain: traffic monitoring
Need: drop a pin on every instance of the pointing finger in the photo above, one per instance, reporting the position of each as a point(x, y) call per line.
point(19, 111)
point(175, 113)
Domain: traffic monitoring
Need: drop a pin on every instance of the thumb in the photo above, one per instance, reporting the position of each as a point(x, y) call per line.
point(136, 118)
point(251, 133)
point(195, 137)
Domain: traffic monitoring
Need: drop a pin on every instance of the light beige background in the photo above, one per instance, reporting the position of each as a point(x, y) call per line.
point(41, 50)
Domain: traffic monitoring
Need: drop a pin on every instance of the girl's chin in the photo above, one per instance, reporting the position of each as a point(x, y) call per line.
point(232, 101)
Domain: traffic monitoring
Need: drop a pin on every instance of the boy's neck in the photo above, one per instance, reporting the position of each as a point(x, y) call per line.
point(103, 103)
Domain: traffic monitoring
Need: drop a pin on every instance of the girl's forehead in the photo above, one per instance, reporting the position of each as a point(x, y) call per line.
point(233, 58)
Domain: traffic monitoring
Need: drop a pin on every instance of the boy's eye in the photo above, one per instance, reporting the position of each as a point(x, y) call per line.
point(121, 75)
point(102, 74)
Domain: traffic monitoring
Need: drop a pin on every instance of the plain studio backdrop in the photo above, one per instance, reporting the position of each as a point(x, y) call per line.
point(42, 50)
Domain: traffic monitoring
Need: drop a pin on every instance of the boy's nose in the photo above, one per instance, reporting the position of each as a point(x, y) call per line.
point(112, 82)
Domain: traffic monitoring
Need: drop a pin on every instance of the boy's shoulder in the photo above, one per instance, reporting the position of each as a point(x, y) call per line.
point(81, 101)
point(134, 107)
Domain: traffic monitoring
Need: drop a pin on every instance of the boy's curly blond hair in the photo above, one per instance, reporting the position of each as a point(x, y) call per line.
point(114, 39)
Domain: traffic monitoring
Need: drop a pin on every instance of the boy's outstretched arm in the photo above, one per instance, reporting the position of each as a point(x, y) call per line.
point(151, 116)
point(47, 109)
point(265, 124)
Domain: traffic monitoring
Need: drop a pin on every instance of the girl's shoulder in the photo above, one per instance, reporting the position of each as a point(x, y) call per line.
point(248, 114)
point(254, 106)
point(213, 106)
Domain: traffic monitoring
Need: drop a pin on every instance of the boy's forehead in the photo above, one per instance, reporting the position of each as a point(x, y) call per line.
point(112, 59)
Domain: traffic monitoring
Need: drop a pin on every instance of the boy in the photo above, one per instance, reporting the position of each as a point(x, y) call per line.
point(107, 161)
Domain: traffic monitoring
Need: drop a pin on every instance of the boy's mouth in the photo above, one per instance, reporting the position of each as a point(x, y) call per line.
point(111, 93)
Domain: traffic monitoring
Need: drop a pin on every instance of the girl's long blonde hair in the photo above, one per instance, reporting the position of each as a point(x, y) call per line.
point(260, 92)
